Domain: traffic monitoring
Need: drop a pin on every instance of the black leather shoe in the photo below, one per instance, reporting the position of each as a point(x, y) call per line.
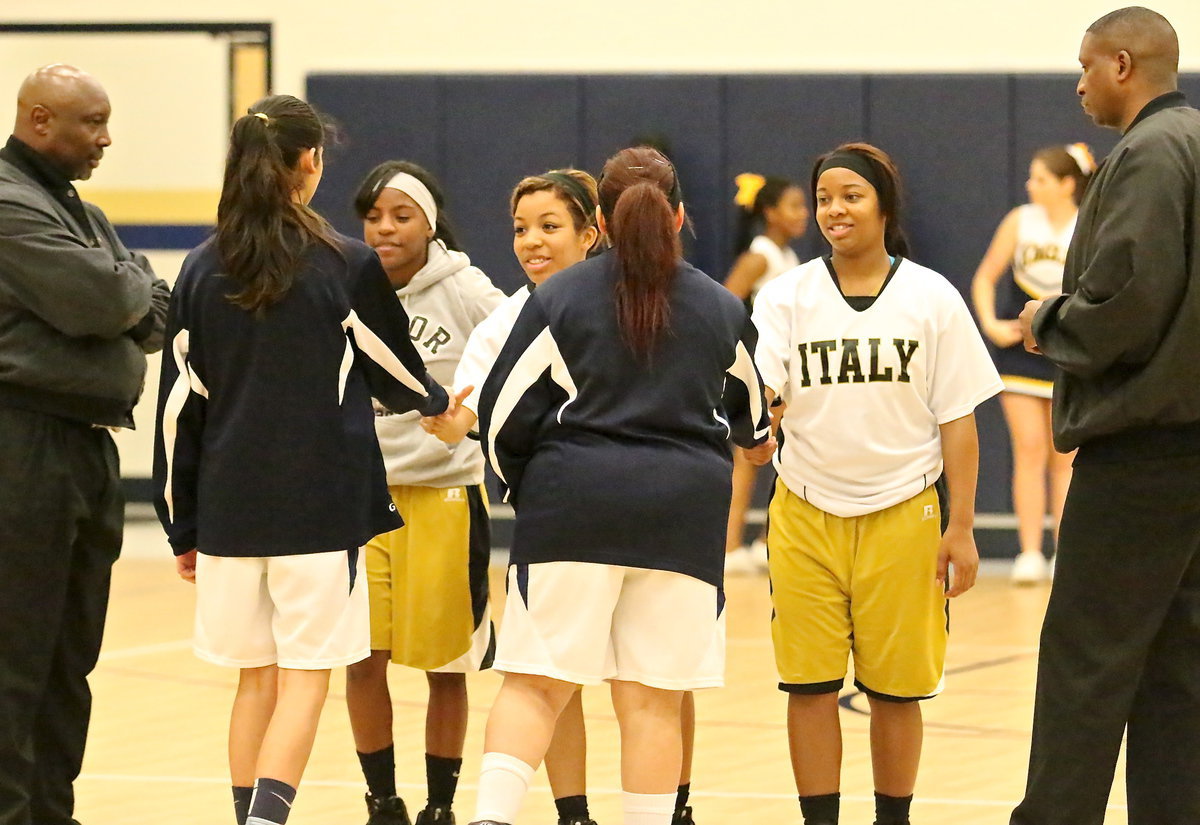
point(435, 815)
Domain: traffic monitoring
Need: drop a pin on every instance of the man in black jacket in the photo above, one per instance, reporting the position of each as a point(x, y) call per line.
point(78, 312)
point(1120, 647)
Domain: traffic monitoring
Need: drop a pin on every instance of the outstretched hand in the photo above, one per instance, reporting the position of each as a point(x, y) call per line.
point(761, 454)
point(452, 425)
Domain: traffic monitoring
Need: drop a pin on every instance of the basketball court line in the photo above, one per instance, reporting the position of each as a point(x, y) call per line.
point(420, 786)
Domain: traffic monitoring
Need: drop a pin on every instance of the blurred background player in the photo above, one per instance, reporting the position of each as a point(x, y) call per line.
point(428, 581)
point(1032, 241)
point(881, 367)
point(279, 333)
point(771, 214)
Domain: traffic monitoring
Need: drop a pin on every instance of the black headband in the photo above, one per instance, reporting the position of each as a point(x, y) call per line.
point(853, 161)
point(577, 191)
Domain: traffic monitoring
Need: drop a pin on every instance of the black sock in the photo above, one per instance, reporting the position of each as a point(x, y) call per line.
point(681, 796)
point(272, 802)
point(241, 803)
point(379, 769)
point(891, 810)
point(441, 775)
point(821, 809)
point(572, 807)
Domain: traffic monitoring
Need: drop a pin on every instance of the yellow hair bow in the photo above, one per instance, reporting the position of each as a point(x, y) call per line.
point(748, 185)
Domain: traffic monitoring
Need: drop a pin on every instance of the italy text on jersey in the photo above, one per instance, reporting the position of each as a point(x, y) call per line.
point(850, 361)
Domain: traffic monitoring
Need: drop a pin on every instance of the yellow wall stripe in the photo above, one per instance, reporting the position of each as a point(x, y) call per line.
point(156, 206)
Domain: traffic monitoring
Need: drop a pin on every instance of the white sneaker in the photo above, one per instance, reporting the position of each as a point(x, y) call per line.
point(758, 553)
point(740, 562)
point(1030, 568)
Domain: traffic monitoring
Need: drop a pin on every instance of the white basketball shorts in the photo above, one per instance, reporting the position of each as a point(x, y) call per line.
point(588, 623)
point(305, 612)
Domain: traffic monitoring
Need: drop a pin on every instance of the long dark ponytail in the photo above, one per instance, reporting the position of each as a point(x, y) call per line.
point(262, 230)
point(639, 196)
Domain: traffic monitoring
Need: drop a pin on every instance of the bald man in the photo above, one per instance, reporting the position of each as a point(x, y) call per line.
point(78, 312)
point(1120, 647)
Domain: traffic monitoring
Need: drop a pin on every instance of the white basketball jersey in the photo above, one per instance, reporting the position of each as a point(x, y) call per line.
point(1041, 252)
point(778, 260)
point(866, 391)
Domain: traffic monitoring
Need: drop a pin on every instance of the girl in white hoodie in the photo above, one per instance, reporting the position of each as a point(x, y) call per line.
point(428, 580)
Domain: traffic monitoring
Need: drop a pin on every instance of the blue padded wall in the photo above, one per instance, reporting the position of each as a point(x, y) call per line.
point(497, 130)
point(382, 117)
point(684, 111)
point(949, 138)
point(1046, 111)
point(820, 113)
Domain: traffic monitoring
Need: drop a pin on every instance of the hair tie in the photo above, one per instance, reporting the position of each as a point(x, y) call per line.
point(261, 116)
point(1082, 155)
point(419, 192)
point(749, 185)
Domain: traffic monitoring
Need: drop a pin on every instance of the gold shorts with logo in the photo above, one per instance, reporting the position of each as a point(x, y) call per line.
point(428, 581)
point(863, 586)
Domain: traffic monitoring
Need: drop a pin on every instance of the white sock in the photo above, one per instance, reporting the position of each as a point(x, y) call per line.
point(648, 808)
point(503, 782)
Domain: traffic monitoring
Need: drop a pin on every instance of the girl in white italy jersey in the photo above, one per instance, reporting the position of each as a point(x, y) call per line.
point(881, 368)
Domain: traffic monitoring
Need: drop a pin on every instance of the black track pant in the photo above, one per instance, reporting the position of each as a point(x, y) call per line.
point(1120, 649)
point(61, 513)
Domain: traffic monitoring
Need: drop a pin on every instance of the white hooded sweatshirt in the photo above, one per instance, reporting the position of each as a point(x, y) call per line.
point(445, 301)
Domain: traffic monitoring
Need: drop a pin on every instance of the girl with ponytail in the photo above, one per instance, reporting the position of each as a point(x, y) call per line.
point(881, 368)
point(607, 417)
point(266, 465)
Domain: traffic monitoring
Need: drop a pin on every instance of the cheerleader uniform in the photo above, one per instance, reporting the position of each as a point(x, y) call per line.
point(1037, 269)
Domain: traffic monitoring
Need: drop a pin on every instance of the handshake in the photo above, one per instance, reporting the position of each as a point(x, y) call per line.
point(452, 425)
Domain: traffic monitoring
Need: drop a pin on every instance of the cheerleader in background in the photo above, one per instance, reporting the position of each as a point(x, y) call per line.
point(1032, 241)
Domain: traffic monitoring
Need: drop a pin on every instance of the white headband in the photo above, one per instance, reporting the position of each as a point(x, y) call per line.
point(419, 192)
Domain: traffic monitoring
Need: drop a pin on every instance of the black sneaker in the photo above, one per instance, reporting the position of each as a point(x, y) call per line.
point(576, 821)
point(683, 816)
point(388, 810)
point(435, 815)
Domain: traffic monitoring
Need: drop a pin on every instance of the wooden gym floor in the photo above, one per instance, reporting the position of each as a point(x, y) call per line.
point(157, 747)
